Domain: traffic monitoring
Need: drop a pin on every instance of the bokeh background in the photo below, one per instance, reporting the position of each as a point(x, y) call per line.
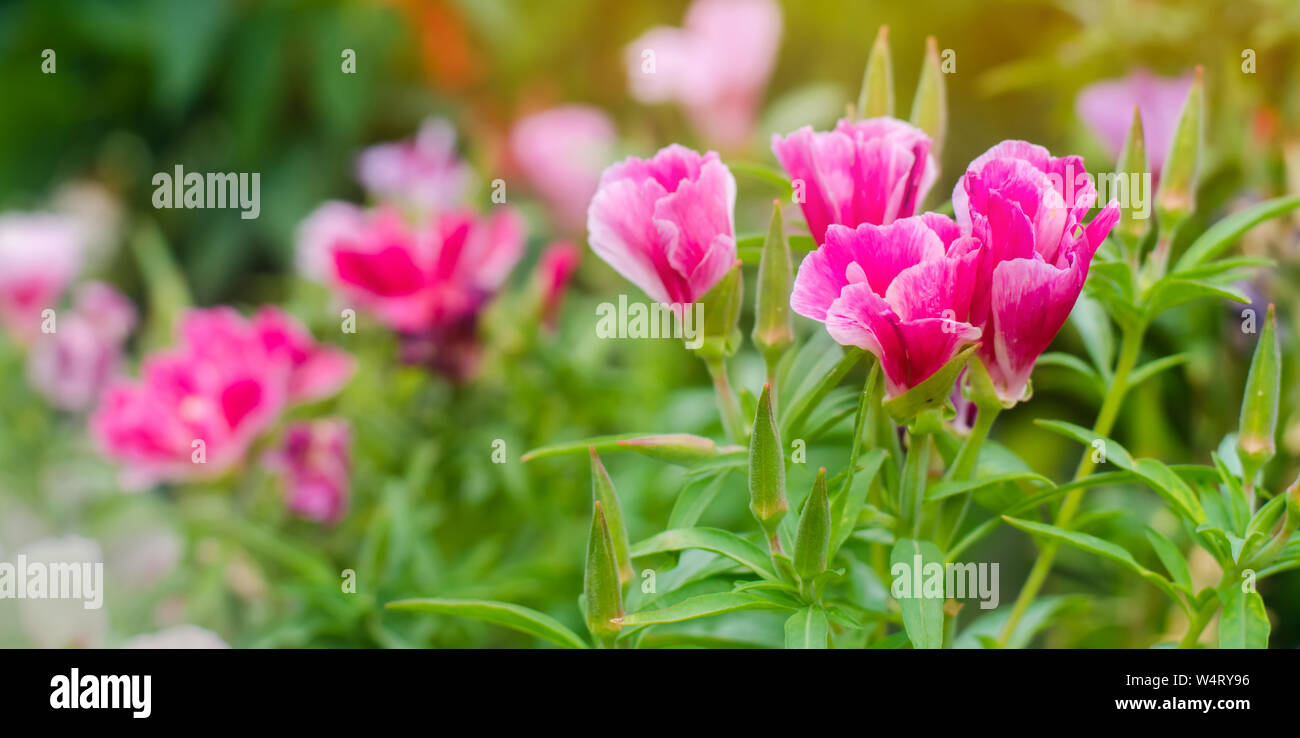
point(231, 85)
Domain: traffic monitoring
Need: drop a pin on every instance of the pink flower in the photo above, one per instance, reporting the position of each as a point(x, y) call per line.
point(328, 224)
point(424, 172)
point(561, 151)
point(39, 256)
point(1026, 208)
point(869, 171)
point(199, 406)
point(715, 67)
point(666, 223)
point(314, 460)
point(1107, 108)
point(901, 291)
point(554, 269)
point(72, 365)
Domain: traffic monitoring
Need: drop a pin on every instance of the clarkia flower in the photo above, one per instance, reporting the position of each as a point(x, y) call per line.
point(72, 365)
point(1107, 108)
point(561, 152)
point(198, 406)
point(314, 461)
point(715, 66)
point(666, 223)
point(900, 291)
point(1026, 208)
point(554, 270)
point(40, 254)
point(868, 171)
point(424, 172)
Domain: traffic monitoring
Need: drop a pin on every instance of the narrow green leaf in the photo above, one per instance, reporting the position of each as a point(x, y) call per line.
point(922, 611)
point(1224, 233)
point(515, 617)
point(1173, 559)
point(1098, 546)
point(1244, 621)
point(701, 606)
point(718, 541)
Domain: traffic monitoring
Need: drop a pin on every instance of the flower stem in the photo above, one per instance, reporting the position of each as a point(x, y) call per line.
point(1200, 619)
point(728, 406)
point(915, 470)
point(1130, 346)
point(964, 465)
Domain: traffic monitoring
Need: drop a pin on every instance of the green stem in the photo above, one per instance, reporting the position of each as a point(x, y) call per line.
point(733, 420)
point(964, 465)
point(1200, 619)
point(915, 470)
point(1130, 347)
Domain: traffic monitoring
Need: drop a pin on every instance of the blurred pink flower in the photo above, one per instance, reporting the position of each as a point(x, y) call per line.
point(72, 365)
point(716, 66)
point(562, 151)
point(40, 254)
point(178, 636)
point(1107, 108)
point(314, 461)
point(554, 269)
point(900, 291)
point(199, 406)
point(868, 171)
point(666, 223)
point(328, 224)
point(424, 172)
point(1026, 208)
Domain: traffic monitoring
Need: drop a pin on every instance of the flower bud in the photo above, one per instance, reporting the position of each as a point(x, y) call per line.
point(602, 490)
point(767, 469)
point(930, 106)
point(720, 334)
point(1177, 196)
point(1133, 161)
point(1258, 427)
point(877, 95)
point(814, 534)
point(601, 589)
point(773, 326)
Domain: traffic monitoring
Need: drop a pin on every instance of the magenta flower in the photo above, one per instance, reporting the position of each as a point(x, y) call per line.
point(665, 223)
point(1026, 208)
point(901, 291)
point(561, 152)
point(424, 172)
point(868, 171)
point(314, 462)
point(554, 270)
point(715, 67)
point(40, 254)
point(198, 406)
point(1107, 108)
point(72, 365)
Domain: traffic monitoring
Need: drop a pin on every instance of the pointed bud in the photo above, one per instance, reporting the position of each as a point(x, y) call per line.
point(601, 588)
point(1177, 196)
point(720, 333)
point(766, 468)
point(1133, 161)
point(930, 105)
point(877, 95)
point(602, 490)
point(773, 326)
point(814, 536)
point(1255, 444)
point(678, 448)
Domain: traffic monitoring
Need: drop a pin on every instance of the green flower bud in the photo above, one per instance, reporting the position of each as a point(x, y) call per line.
point(773, 325)
point(877, 95)
point(1258, 428)
point(602, 489)
point(767, 469)
point(720, 334)
point(1133, 160)
point(1177, 196)
point(601, 589)
point(930, 105)
point(814, 536)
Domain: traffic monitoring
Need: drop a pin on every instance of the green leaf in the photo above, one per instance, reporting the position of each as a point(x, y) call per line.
point(764, 172)
point(1037, 616)
point(1222, 234)
point(922, 616)
point(701, 606)
point(515, 617)
point(1096, 545)
point(933, 392)
point(1074, 364)
point(1095, 331)
point(694, 500)
point(1114, 452)
point(807, 628)
point(1170, 292)
point(848, 503)
point(1172, 558)
point(1151, 368)
point(1244, 621)
point(718, 541)
point(815, 370)
point(950, 488)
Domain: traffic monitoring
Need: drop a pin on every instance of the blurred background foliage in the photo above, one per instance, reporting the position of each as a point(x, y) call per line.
point(255, 86)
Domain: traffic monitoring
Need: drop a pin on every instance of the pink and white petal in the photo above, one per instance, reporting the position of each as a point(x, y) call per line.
point(1031, 302)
